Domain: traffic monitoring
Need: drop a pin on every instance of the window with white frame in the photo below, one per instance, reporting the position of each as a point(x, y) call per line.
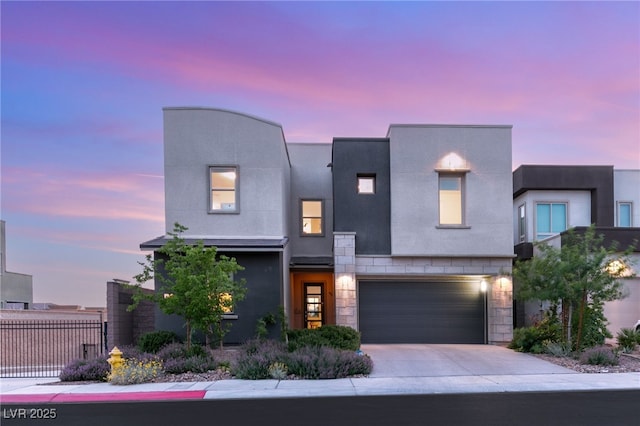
point(551, 219)
point(522, 223)
point(625, 214)
point(311, 217)
point(451, 199)
point(223, 183)
point(366, 184)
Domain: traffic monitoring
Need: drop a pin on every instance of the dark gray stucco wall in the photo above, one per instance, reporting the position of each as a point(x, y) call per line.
point(368, 215)
point(263, 274)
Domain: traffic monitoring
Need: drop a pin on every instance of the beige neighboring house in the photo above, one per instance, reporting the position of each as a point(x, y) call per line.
point(16, 290)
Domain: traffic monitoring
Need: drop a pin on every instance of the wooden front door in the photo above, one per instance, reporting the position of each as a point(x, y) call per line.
point(313, 305)
point(312, 299)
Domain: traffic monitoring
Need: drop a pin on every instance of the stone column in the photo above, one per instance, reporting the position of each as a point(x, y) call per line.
point(500, 310)
point(344, 260)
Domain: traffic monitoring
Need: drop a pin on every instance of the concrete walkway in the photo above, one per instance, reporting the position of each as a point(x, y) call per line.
point(398, 369)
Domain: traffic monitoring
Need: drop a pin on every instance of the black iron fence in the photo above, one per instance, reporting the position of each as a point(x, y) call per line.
point(41, 348)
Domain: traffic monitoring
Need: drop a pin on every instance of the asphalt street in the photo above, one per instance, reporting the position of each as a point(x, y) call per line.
point(583, 408)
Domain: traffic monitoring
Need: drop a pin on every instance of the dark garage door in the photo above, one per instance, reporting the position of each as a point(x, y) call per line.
point(421, 312)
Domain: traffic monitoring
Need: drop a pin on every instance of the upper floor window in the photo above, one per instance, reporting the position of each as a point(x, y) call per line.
point(366, 184)
point(522, 224)
point(625, 210)
point(223, 182)
point(450, 198)
point(311, 220)
point(551, 219)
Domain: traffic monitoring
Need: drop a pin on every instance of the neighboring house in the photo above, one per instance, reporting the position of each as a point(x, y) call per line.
point(406, 238)
point(549, 200)
point(16, 290)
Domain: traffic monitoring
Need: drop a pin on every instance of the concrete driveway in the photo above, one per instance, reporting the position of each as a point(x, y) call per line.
point(414, 360)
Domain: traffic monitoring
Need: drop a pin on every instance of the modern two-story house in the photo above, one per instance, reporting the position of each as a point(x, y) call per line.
point(407, 238)
point(549, 200)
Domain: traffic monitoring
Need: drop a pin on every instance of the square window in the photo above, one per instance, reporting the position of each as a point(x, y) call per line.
point(551, 219)
point(223, 183)
point(366, 184)
point(311, 220)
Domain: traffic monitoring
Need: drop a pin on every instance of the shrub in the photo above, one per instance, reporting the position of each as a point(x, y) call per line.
point(278, 371)
point(178, 359)
point(198, 351)
point(253, 367)
point(133, 352)
point(594, 328)
point(335, 336)
point(527, 339)
point(557, 349)
point(600, 355)
point(341, 337)
point(262, 326)
point(154, 341)
point(193, 364)
point(134, 371)
point(327, 363)
point(86, 370)
point(172, 351)
point(627, 339)
point(257, 356)
point(179, 350)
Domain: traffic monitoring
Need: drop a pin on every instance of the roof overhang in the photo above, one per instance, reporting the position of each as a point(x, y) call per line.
point(225, 244)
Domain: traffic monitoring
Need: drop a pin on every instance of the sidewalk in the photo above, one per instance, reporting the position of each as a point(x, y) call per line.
point(25, 391)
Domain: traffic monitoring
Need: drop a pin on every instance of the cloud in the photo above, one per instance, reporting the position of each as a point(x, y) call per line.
point(99, 195)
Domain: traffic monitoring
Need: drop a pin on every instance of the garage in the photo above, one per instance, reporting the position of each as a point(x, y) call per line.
point(421, 311)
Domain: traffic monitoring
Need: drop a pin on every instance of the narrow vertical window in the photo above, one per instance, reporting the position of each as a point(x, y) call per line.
point(311, 219)
point(522, 224)
point(451, 199)
point(224, 189)
point(551, 219)
point(366, 184)
point(625, 214)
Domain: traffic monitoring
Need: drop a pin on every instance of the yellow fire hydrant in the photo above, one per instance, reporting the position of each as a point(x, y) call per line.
point(115, 360)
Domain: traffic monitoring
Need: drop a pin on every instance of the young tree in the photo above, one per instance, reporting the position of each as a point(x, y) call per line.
point(197, 284)
point(579, 276)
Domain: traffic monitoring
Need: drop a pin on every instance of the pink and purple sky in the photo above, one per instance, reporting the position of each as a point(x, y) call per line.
point(84, 83)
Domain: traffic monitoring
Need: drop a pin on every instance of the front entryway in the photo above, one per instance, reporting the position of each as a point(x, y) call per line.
point(421, 311)
point(312, 299)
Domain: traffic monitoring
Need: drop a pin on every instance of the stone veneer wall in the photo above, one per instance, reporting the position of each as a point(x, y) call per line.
point(500, 310)
point(347, 265)
point(344, 253)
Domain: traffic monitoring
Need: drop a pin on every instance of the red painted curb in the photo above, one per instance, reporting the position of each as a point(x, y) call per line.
point(101, 397)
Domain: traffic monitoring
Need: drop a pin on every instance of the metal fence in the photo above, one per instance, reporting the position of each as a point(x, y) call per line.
point(41, 348)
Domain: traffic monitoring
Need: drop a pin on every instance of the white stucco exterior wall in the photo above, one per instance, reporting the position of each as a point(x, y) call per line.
point(578, 209)
point(311, 179)
point(626, 188)
point(196, 138)
point(416, 152)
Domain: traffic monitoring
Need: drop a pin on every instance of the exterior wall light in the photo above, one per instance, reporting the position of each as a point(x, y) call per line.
point(452, 162)
point(483, 286)
point(619, 269)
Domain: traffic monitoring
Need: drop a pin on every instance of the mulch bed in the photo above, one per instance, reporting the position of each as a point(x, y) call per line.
point(627, 363)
